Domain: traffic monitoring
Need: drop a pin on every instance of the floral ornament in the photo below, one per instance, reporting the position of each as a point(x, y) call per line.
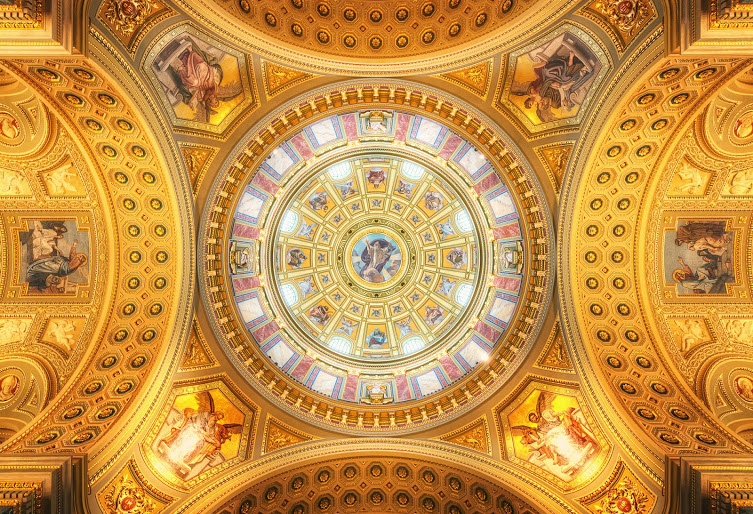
point(125, 496)
point(127, 15)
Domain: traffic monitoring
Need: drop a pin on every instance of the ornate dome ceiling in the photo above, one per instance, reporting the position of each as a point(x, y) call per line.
point(423, 256)
point(376, 258)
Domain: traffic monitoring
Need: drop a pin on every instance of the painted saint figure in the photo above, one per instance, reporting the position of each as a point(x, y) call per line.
point(198, 76)
point(319, 314)
point(376, 339)
point(374, 257)
point(49, 266)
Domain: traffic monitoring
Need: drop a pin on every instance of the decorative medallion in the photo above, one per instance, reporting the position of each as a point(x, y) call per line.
point(623, 19)
point(278, 78)
point(475, 78)
point(278, 435)
point(474, 435)
point(623, 493)
point(555, 356)
point(129, 493)
point(197, 355)
point(197, 159)
point(130, 19)
point(555, 158)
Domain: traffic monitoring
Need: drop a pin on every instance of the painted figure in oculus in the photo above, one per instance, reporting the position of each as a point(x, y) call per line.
point(555, 78)
point(560, 441)
point(744, 126)
point(8, 126)
point(704, 251)
point(744, 387)
point(191, 440)
point(199, 76)
point(9, 386)
point(378, 260)
point(54, 263)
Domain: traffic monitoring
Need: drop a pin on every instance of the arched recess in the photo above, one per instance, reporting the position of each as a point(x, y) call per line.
point(610, 228)
point(429, 469)
point(140, 253)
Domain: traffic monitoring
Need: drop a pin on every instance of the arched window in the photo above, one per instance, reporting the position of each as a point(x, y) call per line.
point(413, 344)
point(340, 344)
point(463, 221)
point(289, 294)
point(463, 294)
point(339, 170)
point(412, 170)
point(289, 221)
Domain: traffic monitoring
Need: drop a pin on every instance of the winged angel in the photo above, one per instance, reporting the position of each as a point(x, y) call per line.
point(561, 441)
point(198, 77)
point(192, 440)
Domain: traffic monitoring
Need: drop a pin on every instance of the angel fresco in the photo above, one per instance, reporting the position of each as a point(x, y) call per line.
point(559, 441)
point(191, 440)
point(198, 76)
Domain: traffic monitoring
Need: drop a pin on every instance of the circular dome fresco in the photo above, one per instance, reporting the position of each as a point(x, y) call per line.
point(376, 259)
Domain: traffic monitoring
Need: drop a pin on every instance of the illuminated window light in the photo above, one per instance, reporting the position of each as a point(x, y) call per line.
point(463, 294)
point(339, 171)
point(463, 221)
point(412, 170)
point(413, 345)
point(289, 221)
point(289, 294)
point(340, 344)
